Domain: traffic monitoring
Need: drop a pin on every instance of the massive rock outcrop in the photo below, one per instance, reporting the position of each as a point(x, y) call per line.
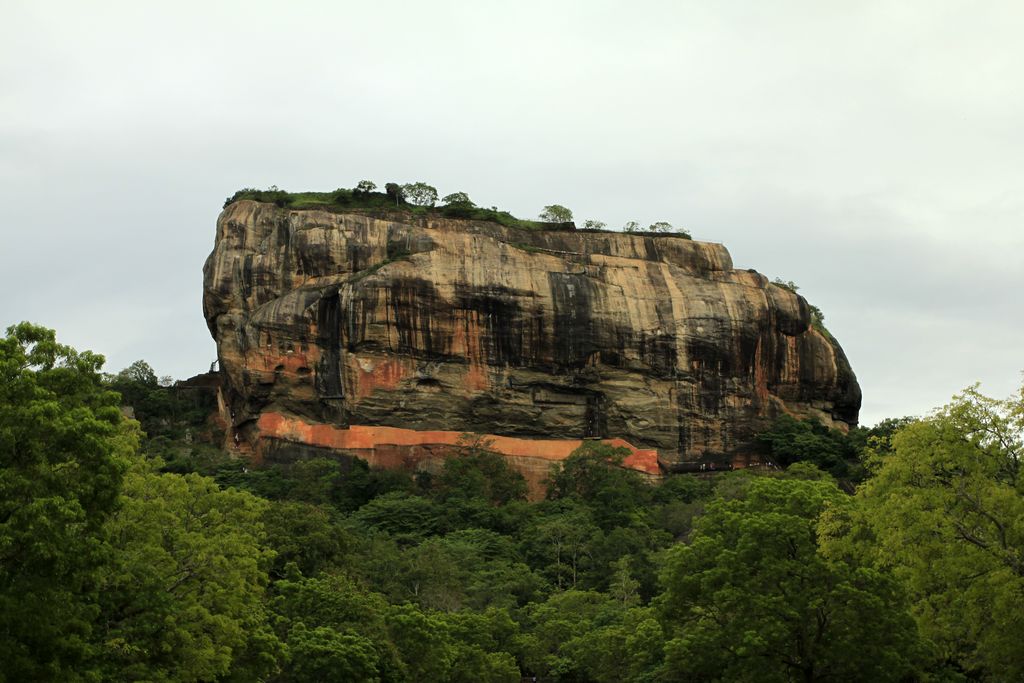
point(388, 336)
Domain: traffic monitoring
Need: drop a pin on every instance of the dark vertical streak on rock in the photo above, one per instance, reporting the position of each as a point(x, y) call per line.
point(651, 250)
point(573, 334)
point(502, 319)
point(711, 366)
point(659, 350)
point(414, 302)
point(596, 418)
point(328, 371)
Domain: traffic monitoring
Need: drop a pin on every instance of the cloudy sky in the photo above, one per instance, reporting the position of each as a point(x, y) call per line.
point(873, 152)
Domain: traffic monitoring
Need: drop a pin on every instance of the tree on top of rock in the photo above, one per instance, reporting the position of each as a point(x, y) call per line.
point(457, 199)
point(420, 194)
point(396, 192)
point(556, 213)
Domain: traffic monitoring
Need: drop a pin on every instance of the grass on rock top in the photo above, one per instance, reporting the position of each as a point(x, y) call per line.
point(342, 200)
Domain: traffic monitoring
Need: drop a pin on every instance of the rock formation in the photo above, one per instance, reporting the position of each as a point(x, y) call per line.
point(389, 335)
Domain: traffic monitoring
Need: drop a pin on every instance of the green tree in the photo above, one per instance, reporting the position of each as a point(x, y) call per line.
point(554, 627)
point(182, 592)
point(433, 577)
point(476, 472)
point(420, 194)
point(366, 186)
point(140, 372)
point(504, 584)
point(555, 213)
point(560, 545)
point(323, 654)
point(660, 226)
point(592, 224)
point(623, 586)
point(945, 510)
point(620, 645)
point(482, 646)
point(394, 192)
point(316, 480)
point(587, 636)
point(594, 473)
point(424, 641)
point(460, 199)
point(631, 226)
point(789, 441)
point(327, 623)
point(751, 598)
point(677, 502)
point(308, 535)
point(880, 436)
point(401, 514)
point(163, 409)
point(63, 452)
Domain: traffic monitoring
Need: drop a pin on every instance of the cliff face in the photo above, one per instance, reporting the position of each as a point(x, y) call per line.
point(389, 337)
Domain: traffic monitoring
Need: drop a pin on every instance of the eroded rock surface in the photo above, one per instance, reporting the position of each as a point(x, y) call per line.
point(441, 325)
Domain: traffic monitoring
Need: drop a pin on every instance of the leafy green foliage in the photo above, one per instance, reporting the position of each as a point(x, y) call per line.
point(183, 563)
point(184, 585)
point(323, 654)
point(492, 215)
point(880, 436)
point(477, 473)
point(403, 515)
point(420, 194)
point(594, 473)
point(555, 213)
point(415, 198)
point(751, 598)
point(458, 199)
point(310, 537)
point(167, 411)
point(789, 441)
point(394, 193)
point(586, 635)
point(331, 626)
point(63, 453)
point(945, 509)
point(561, 545)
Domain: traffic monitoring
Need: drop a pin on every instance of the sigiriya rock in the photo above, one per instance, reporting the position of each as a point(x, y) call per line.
point(391, 336)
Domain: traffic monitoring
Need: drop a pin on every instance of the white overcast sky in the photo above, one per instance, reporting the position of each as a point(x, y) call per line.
point(873, 152)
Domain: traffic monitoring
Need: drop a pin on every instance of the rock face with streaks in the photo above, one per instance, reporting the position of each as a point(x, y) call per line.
point(423, 325)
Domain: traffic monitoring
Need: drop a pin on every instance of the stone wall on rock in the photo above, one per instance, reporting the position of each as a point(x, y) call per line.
point(441, 325)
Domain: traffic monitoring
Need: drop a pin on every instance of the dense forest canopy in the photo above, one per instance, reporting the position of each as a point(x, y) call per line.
point(135, 549)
